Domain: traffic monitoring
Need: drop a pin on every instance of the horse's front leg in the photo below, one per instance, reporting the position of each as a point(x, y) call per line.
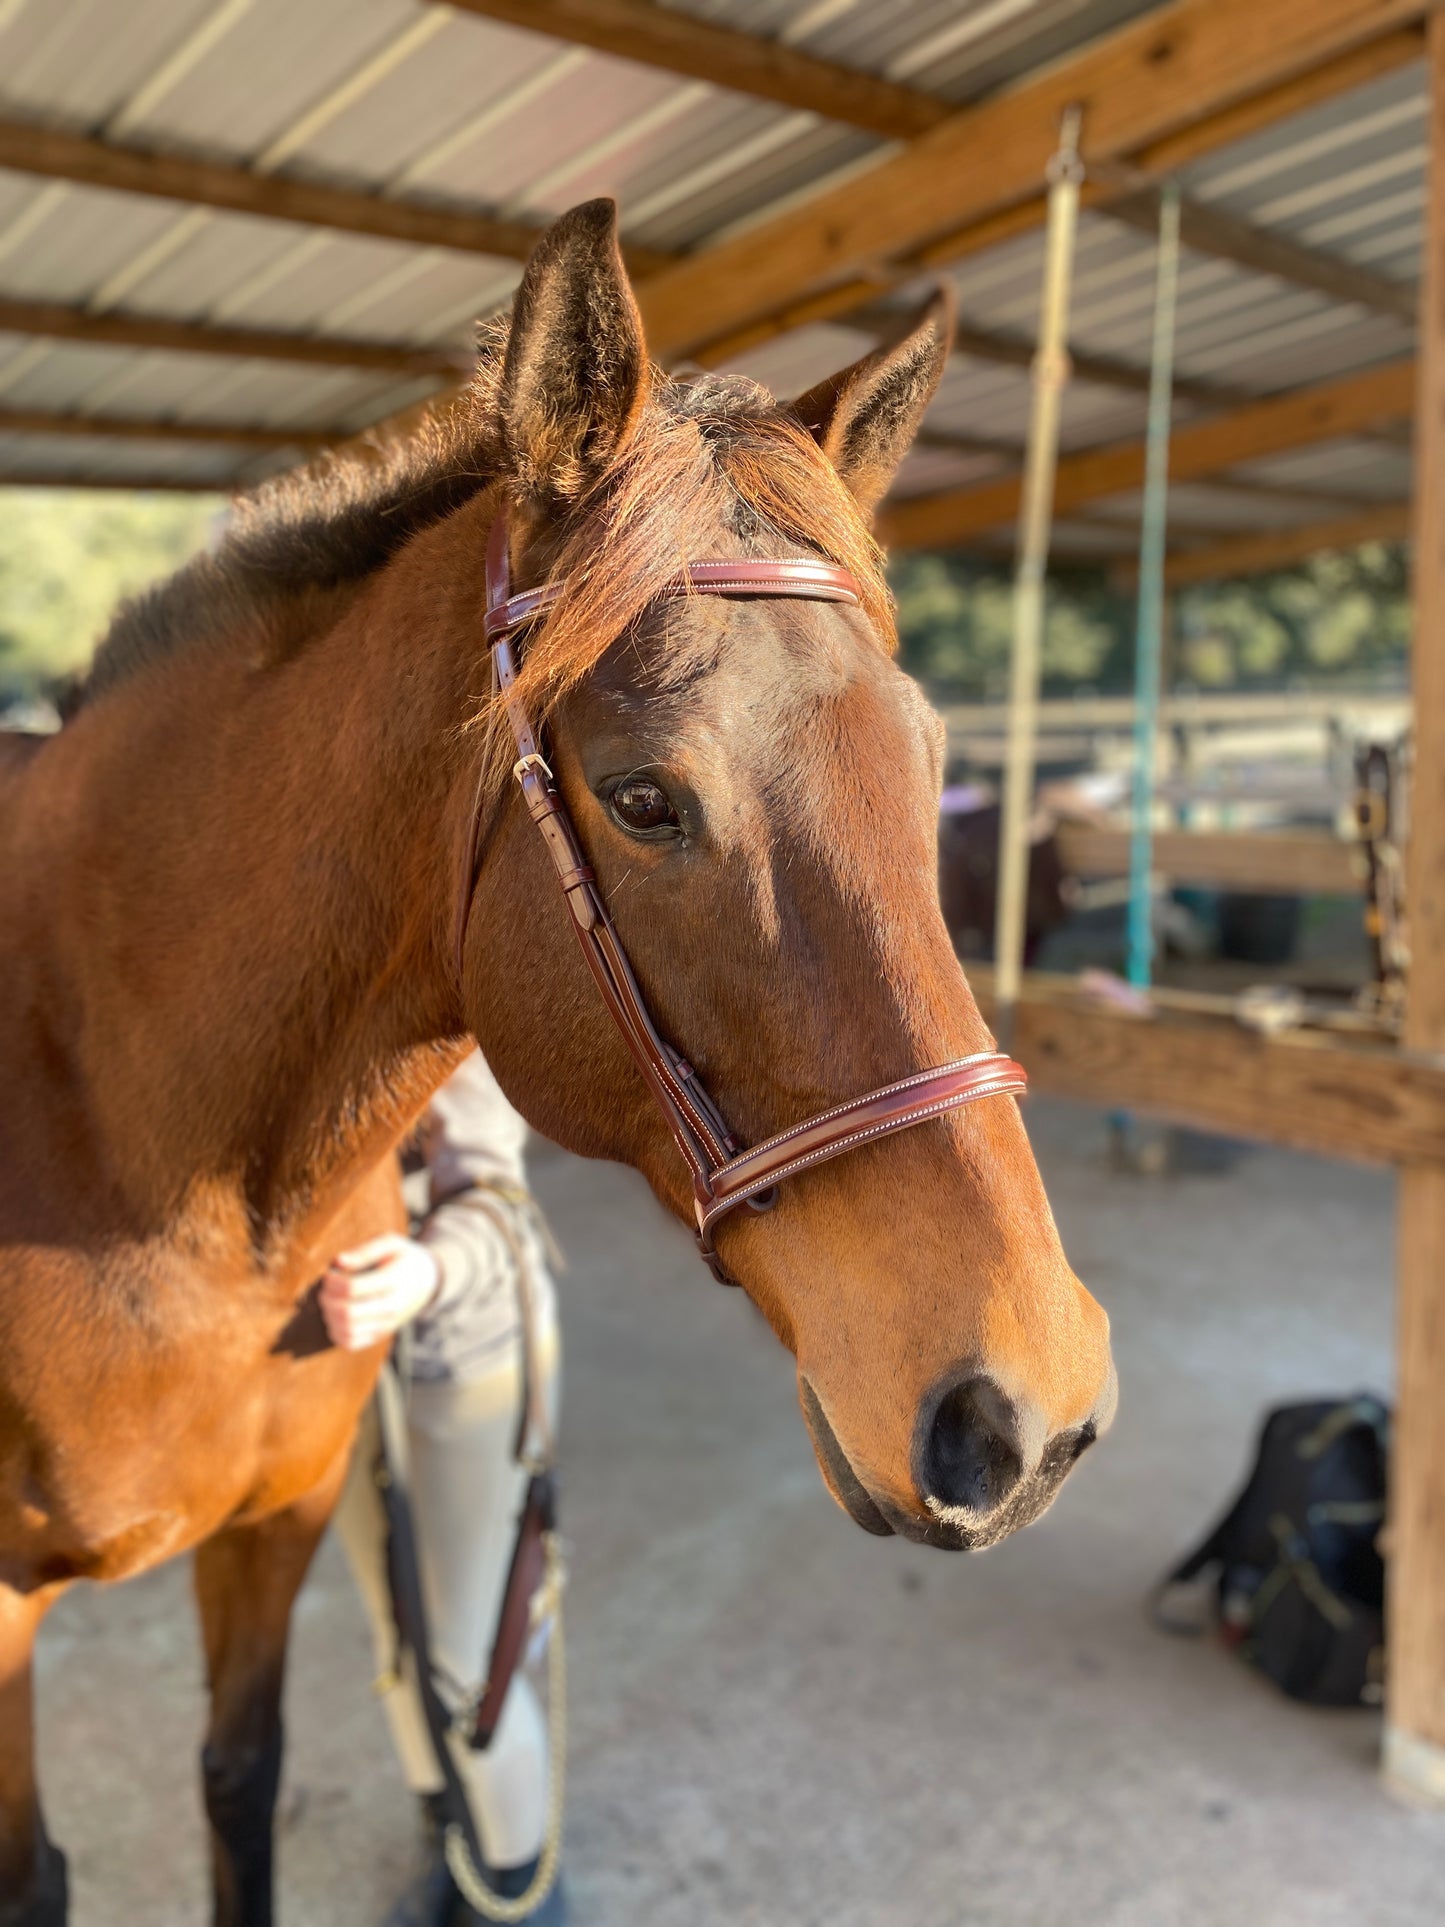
point(247, 1579)
point(32, 1870)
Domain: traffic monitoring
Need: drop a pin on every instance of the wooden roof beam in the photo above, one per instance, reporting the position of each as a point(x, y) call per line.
point(1247, 555)
point(681, 43)
point(1190, 142)
point(40, 421)
point(57, 322)
point(1018, 351)
point(132, 484)
point(1224, 237)
point(1214, 127)
point(28, 148)
point(1352, 405)
point(1145, 90)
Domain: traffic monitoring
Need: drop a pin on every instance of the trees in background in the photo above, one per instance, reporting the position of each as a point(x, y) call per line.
point(68, 556)
point(1341, 617)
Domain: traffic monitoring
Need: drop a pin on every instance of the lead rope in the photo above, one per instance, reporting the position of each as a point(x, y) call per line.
point(546, 1605)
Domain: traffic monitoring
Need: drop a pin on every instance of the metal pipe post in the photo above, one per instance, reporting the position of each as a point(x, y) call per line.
point(1050, 378)
point(1149, 621)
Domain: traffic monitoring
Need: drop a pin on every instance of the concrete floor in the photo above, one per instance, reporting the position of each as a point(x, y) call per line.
point(779, 1721)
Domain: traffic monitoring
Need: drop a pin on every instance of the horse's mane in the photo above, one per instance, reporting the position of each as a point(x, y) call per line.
point(711, 450)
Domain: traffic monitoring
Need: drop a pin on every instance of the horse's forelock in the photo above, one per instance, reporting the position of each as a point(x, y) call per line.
point(711, 452)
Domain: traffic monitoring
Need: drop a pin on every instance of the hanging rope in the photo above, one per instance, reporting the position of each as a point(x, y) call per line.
point(1149, 622)
point(1050, 378)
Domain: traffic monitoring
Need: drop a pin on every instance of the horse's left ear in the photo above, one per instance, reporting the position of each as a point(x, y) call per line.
point(864, 418)
point(575, 377)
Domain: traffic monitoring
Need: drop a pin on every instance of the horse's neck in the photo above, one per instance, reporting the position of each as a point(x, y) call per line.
point(251, 890)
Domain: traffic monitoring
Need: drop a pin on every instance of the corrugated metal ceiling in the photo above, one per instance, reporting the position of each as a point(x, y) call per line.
point(402, 98)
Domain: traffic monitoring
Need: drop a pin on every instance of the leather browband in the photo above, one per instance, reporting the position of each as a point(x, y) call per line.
point(724, 1176)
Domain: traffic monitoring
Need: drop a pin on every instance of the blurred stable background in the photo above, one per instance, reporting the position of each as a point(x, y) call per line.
point(234, 233)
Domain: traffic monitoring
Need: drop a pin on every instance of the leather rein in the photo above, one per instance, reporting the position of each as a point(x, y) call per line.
point(724, 1176)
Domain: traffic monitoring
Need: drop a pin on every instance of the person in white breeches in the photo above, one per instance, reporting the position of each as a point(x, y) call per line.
point(451, 1292)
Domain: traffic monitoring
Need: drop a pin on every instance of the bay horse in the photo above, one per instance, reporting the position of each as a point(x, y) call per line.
point(229, 952)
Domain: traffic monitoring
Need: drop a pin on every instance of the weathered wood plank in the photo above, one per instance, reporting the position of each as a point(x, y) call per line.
point(1274, 861)
point(1415, 1673)
point(1372, 1103)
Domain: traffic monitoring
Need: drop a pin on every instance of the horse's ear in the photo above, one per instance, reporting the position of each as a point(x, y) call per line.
point(864, 418)
point(574, 380)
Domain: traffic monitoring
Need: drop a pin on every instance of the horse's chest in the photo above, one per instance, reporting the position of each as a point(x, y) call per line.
point(142, 1436)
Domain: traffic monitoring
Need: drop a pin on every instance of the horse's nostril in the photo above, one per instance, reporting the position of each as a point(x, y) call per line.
point(968, 1458)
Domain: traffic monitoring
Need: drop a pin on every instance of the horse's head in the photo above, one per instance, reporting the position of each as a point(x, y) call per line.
point(756, 785)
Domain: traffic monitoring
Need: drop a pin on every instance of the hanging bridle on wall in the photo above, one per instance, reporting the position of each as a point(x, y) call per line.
point(723, 1175)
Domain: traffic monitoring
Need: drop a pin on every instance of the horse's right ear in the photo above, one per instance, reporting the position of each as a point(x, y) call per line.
point(864, 418)
point(574, 380)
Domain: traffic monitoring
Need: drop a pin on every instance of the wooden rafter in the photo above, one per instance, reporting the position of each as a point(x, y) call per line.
point(56, 155)
point(1192, 140)
point(40, 421)
point(681, 43)
point(1414, 1738)
point(1202, 122)
point(1210, 231)
point(1150, 91)
point(1352, 405)
point(956, 442)
point(1280, 548)
point(1017, 351)
point(135, 484)
point(60, 323)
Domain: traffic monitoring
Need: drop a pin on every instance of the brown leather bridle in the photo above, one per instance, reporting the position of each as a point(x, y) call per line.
point(723, 1176)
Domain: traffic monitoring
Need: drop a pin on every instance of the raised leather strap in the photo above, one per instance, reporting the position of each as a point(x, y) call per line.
point(892, 1108)
point(796, 576)
point(724, 1177)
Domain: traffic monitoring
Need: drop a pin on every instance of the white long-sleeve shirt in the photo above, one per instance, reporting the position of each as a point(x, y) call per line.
point(471, 1142)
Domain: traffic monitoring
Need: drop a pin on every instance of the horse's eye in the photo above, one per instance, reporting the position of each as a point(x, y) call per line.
point(639, 804)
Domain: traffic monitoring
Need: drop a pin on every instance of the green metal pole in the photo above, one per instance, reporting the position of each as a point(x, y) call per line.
point(1149, 624)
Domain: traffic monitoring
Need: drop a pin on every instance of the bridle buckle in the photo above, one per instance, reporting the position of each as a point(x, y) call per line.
point(536, 763)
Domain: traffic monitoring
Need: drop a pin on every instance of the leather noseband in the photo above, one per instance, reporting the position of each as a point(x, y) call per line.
point(723, 1175)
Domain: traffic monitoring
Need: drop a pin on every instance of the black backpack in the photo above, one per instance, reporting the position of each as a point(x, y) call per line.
point(1301, 1583)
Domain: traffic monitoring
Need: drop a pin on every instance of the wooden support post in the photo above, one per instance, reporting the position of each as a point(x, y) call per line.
point(1414, 1758)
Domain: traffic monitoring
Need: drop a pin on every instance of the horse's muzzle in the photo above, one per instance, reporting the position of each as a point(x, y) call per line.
point(984, 1469)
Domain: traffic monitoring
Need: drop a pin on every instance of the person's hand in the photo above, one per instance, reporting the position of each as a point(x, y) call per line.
point(371, 1292)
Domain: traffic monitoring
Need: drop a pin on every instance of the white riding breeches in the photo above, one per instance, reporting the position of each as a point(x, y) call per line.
point(466, 1491)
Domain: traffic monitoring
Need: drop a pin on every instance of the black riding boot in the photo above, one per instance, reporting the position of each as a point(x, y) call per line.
point(433, 1899)
point(508, 1883)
